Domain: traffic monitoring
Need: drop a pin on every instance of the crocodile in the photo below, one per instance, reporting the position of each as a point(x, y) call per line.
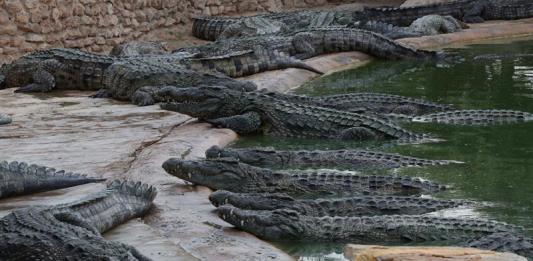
point(338, 159)
point(138, 80)
point(476, 117)
point(231, 175)
point(379, 103)
point(252, 26)
point(137, 48)
point(365, 205)
point(19, 178)
point(388, 30)
point(239, 64)
point(505, 242)
point(210, 28)
point(436, 24)
point(5, 119)
point(289, 225)
point(73, 231)
point(252, 112)
point(304, 44)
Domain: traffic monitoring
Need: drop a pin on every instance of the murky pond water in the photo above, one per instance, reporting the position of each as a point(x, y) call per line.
point(499, 159)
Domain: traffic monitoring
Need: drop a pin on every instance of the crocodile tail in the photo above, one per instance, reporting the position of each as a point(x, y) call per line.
point(210, 28)
point(35, 178)
point(138, 189)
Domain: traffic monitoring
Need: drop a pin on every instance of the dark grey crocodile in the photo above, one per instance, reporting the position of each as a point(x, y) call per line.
point(234, 176)
point(4, 119)
point(476, 117)
point(388, 30)
point(18, 178)
point(334, 207)
point(137, 80)
point(73, 231)
point(210, 28)
point(246, 63)
point(289, 225)
point(338, 159)
point(252, 26)
point(380, 103)
point(308, 43)
point(138, 48)
point(505, 242)
point(252, 112)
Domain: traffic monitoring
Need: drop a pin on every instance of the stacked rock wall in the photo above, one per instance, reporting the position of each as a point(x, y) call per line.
point(97, 25)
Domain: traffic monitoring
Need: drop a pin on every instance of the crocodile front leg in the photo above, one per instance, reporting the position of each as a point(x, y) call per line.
point(473, 14)
point(243, 124)
point(43, 81)
point(302, 42)
point(359, 133)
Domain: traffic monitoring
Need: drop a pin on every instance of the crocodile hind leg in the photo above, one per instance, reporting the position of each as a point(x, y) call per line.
point(405, 110)
point(358, 133)
point(43, 81)
point(243, 124)
point(144, 96)
point(303, 46)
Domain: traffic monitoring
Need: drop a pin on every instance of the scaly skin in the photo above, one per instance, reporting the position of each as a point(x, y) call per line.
point(19, 178)
point(289, 225)
point(388, 30)
point(73, 231)
point(137, 48)
point(334, 207)
point(239, 177)
point(505, 242)
point(138, 80)
point(252, 112)
point(476, 117)
point(246, 63)
point(304, 44)
point(252, 26)
point(4, 119)
point(338, 159)
point(436, 24)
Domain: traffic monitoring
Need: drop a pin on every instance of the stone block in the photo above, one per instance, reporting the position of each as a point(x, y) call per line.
point(13, 7)
point(35, 38)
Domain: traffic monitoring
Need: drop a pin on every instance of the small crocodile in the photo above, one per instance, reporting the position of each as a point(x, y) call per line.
point(72, 231)
point(338, 159)
point(289, 225)
point(334, 207)
point(304, 44)
point(251, 112)
point(436, 24)
point(252, 26)
point(231, 175)
point(5, 119)
point(388, 30)
point(476, 117)
point(19, 178)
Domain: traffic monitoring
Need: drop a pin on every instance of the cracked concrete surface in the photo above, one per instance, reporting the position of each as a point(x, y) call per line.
point(111, 139)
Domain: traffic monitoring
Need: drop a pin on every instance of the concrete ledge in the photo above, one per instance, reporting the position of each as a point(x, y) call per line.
point(384, 253)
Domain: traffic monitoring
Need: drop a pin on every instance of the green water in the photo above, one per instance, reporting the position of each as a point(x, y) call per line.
point(499, 159)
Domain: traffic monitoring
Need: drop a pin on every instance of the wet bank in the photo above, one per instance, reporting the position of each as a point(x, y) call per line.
point(106, 138)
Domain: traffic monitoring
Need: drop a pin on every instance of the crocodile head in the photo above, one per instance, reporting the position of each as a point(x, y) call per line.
point(280, 224)
point(264, 201)
point(216, 174)
point(202, 102)
point(257, 157)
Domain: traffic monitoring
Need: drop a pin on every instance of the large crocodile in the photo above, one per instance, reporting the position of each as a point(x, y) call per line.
point(232, 175)
point(72, 231)
point(476, 117)
point(334, 207)
point(308, 43)
point(4, 119)
point(18, 178)
point(339, 159)
point(380, 103)
point(251, 112)
point(289, 225)
point(210, 28)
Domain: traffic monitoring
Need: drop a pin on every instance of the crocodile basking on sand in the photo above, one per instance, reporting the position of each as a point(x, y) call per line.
point(20, 178)
point(231, 175)
point(253, 112)
point(335, 207)
point(289, 225)
point(304, 44)
point(476, 117)
point(338, 159)
point(73, 231)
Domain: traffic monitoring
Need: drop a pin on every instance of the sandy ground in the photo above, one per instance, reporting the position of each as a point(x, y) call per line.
point(101, 137)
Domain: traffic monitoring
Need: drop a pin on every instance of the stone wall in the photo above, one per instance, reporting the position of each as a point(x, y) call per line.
point(97, 25)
